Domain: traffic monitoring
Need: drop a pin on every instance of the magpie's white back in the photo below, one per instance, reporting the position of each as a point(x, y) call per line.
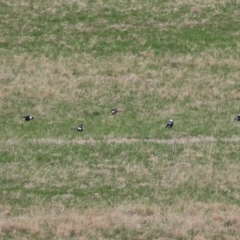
point(80, 128)
point(114, 111)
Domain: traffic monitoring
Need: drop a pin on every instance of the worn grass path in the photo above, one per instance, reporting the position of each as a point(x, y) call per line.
point(185, 140)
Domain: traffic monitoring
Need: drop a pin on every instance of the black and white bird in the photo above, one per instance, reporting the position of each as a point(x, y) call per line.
point(28, 117)
point(80, 128)
point(170, 123)
point(237, 118)
point(114, 111)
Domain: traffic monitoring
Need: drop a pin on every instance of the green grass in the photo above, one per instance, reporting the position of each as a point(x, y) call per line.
point(91, 169)
point(116, 28)
point(125, 176)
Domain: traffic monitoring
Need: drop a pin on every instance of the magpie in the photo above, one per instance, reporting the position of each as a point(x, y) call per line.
point(28, 118)
point(237, 118)
point(170, 123)
point(114, 111)
point(80, 128)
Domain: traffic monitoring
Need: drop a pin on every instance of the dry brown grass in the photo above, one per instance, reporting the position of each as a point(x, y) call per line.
point(43, 78)
point(110, 139)
point(204, 220)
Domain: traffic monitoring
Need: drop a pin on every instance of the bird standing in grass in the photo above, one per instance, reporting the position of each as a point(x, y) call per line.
point(28, 118)
point(114, 111)
point(237, 118)
point(170, 123)
point(80, 128)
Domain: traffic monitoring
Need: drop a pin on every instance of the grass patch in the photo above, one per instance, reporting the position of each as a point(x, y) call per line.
point(125, 176)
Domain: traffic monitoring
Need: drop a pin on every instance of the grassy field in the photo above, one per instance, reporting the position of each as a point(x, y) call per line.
point(125, 176)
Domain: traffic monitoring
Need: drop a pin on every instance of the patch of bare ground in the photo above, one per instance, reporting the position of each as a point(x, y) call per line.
point(202, 220)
